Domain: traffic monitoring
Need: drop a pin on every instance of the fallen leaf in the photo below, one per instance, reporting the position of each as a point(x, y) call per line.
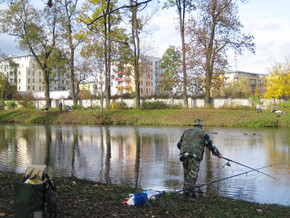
point(109, 189)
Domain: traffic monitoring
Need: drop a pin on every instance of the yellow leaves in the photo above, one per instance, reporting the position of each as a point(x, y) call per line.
point(278, 82)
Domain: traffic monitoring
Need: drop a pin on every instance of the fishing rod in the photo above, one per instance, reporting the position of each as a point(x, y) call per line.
point(229, 160)
point(229, 177)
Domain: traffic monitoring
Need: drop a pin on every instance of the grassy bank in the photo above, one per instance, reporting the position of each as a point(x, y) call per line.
point(169, 117)
point(81, 198)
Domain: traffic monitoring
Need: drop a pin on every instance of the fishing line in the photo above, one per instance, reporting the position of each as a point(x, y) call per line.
point(243, 187)
point(228, 164)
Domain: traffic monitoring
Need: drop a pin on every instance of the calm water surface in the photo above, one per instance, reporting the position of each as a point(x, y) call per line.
point(147, 157)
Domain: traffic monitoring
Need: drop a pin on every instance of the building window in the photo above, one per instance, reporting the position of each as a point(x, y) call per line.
point(19, 88)
point(28, 80)
point(19, 80)
point(33, 80)
point(39, 88)
point(32, 73)
point(28, 87)
point(39, 73)
point(33, 88)
point(39, 80)
point(28, 72)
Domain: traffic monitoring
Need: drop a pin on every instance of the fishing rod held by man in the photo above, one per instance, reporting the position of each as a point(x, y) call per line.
point(222, 179)
point(229, 160)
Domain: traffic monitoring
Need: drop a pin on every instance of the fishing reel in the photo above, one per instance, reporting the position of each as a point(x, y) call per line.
point(227, 164)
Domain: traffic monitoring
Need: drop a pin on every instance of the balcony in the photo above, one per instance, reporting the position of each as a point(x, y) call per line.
point(124, 87)
point(121, 79)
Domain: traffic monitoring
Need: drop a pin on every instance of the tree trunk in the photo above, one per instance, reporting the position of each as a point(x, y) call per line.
point(72, 73)
point(207, 93)
point(181, 11)
point(184, 67)
point(46, 87)
point(136, 44)
point(72, 77)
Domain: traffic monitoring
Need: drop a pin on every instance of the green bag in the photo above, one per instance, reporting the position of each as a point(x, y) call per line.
point(36, 197)
point(29, 200)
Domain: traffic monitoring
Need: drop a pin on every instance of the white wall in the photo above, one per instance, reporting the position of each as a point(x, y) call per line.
point(216, 103)
point(53, 95)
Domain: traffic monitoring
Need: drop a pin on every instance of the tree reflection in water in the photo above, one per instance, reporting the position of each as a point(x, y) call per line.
point(147, 157)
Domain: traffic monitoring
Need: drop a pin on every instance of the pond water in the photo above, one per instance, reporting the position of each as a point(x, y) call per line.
point(147, 157)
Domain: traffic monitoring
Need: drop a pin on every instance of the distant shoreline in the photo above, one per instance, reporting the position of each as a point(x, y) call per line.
point(162, 117)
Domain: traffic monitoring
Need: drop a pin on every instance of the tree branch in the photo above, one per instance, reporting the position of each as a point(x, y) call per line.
point(135, 4)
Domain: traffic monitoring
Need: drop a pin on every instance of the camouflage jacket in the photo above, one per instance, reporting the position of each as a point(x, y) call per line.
point(193, 142)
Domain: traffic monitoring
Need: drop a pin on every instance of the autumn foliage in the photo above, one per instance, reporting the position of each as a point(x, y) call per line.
point(278, 82)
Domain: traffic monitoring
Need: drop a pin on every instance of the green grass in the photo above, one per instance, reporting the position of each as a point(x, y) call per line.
point(160, 117)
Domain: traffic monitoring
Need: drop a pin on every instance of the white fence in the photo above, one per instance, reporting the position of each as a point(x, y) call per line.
point(64, 96)
point(216, 103)
point(53, 94)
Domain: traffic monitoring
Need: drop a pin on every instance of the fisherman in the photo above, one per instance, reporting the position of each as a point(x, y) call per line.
point(67, 108)
point(258, 108)
point(45, 108)
point(60, 105)
point(191, 146)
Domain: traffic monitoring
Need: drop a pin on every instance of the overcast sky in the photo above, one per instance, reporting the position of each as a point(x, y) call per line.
point(267, 20)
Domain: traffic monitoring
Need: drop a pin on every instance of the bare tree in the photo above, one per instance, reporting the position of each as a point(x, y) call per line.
point(68, 9)
point(182, 6)
point(214, 30)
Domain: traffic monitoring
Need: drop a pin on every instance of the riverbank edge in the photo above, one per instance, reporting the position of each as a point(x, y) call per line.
point(83, 198)
point(169, 117)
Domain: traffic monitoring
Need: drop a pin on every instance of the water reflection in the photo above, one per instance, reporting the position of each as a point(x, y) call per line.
point(147, 157)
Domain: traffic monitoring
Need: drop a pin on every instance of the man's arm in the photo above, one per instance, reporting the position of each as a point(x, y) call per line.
point(210, 145)
point(179, 143)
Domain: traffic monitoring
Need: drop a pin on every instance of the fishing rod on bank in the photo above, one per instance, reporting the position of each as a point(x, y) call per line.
point(229, 177)
point(257, 170)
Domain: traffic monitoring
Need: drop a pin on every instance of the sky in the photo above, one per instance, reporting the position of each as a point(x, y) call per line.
point(267, 20)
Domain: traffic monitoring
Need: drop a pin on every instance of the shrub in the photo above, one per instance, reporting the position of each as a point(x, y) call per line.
point(153, 105)
point(254, 99)
point(26, 101)
point(119, 105)
point(77, 107)
point(283, 106)
point(11, 104)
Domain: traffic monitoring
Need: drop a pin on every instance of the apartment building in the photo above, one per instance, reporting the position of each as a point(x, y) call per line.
point(122, 81)
point(257, 81)
point(145, 77)
point(8, 69)
point(23, 72)
point(150, 75)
